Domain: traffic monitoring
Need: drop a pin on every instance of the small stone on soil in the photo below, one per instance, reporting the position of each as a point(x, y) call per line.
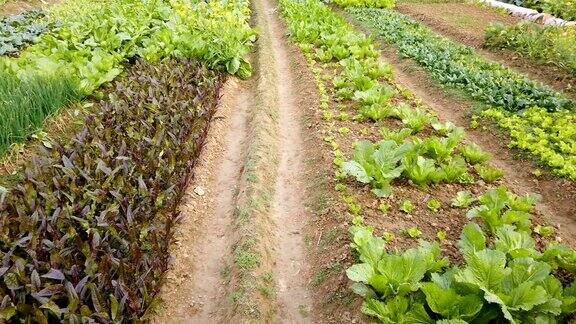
point(199, 191)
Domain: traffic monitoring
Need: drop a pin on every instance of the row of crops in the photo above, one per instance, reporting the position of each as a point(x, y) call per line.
point(90, 44)
point(511, 95)
point(20, 30)
point(382, 139)
point(86, 226)
point(545, 44)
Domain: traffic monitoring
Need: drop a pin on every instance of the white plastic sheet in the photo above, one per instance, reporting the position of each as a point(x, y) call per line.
point(529, 14)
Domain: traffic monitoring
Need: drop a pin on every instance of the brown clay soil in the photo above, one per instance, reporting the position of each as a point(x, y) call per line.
point(14, 7)
point(288, 212)
point(466, 23)
point(195, 289)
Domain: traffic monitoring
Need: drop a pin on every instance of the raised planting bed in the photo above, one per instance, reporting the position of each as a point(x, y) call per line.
point(84, 234)
point(437, 236)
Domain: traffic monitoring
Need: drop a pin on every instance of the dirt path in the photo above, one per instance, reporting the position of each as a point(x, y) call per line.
point(288, 210)
point(195, 290)
point(241, 255)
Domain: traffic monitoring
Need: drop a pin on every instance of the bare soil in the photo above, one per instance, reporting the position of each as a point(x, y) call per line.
point(195, 289)
point(466, 24)
point(288, 212)
point(14, 7)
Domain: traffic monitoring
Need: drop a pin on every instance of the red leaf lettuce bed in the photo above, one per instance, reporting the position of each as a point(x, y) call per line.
point(85, 235)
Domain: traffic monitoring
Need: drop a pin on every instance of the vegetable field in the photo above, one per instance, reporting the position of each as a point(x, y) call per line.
point(291, 161)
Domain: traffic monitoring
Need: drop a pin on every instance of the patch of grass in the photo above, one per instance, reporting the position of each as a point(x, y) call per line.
point(242, 214)
point(308, 241)
point(320, 277)
point(303, 310)
point(236, 296)
point(268, 277)
point(330, 237)
point(226, 273)
point(247, 259)
point(266, 290)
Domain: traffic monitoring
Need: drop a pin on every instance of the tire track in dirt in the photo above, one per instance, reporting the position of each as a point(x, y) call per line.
point(196, 289)
point(288, 211)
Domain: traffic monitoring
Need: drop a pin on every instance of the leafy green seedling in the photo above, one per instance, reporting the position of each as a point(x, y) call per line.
point(344, 130)
point(344, 116)
point(384, 208)
point(444, 128)
point(357, 220)
point(338, 161)
point(474, 154)
point(388, 237)
point(340, 175)
point(466, 178)
point(489, 173)
point(414, 232)
point(340, 187)
point(474, 123)
point(544, 231)
point(414, 119)
point(463, 199)
point(407, 206)
point(441, 235)
point(354, 208)
point(396, 136)
point(434, 205)
point(358, 118)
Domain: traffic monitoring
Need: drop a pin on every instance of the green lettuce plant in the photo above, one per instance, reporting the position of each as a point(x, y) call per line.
point(474, 154)
point(499, 207)
point(463, 199)
point(489, 173)
point(376, 164)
